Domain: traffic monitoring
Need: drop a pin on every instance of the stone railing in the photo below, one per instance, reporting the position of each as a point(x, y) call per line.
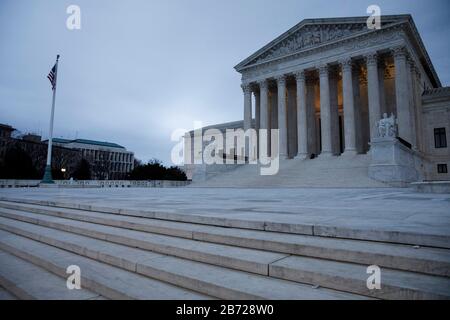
point(11, 183)
point(432, 187)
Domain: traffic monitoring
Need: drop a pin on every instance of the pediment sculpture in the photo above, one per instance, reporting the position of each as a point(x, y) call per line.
point(310, 36)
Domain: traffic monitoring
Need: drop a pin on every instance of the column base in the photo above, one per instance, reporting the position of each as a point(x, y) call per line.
point(325, 155)
point(349, 153)
point(283, 157)
point(302, 156)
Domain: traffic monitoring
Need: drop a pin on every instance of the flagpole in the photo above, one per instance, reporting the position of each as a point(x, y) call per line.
point(48, 167)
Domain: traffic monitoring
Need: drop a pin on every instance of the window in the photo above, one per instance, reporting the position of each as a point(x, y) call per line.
point(440, 139)
point(442, 168)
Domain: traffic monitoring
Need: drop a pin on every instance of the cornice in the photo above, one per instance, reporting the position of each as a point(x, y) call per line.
point(355, 41)
point(321, 47)
point(273, 68)
point(386, 21)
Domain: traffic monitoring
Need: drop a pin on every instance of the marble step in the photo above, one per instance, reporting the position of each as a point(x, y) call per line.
point(328, 231)
point(403, 257)
point(250, 260)
point(27, 281)
point(337, 172)
point(6, 295)
point(325, 273)
point(69, 249)
point(106, 280)
point(399, 285)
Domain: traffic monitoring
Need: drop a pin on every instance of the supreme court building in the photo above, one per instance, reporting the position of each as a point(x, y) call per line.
point(327, 83)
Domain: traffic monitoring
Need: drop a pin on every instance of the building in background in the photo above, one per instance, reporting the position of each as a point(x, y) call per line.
point(31, 152)
point(5, 131)
point(108, 161)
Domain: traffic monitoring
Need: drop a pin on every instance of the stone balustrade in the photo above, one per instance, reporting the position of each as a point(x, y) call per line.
point(13, 183)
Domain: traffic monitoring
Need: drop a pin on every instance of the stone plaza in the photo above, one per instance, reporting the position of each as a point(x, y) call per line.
point(231, 243)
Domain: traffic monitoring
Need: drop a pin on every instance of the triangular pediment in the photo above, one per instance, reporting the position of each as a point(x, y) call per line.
point(312, 33)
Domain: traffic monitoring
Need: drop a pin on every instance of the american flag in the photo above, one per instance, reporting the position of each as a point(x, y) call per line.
point(52, 77)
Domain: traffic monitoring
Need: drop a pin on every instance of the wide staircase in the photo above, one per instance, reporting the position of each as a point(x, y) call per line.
point(125, 254)
point(332, 172)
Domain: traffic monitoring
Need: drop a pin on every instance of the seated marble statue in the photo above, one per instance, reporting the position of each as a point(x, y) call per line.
point(387, 126)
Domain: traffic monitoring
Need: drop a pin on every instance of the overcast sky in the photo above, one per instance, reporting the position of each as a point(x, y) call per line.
point(139, 69)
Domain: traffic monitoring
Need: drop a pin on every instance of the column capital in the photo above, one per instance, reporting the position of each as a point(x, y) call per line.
point(247, 88)
point(300, 76)
point(263, 84)
point(334, 74)
point(323, 70)
point(281, 80)
point(413, 67)
point(411, 62)
point(346, 64)
point(417, 72)
point(371, 59)
point(399, 52)
point(311, 81)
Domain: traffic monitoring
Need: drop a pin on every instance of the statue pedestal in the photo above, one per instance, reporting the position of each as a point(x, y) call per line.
point(392, 162)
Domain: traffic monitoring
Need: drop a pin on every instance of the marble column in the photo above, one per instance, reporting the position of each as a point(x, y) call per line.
point(292, 123)
point(402, 94)
point(325, 111)
point(302, 122)
point(334, 116)
point(257, 109)
point(349, 107)
point(310, 84)
point(373, 88)
point(381, 78)
point(247, 116)
point(247, 106)
point(257, 95)
point(361, 103)
point(264, 112)
point(412, 100)
point(282, 117)
point(417, 91)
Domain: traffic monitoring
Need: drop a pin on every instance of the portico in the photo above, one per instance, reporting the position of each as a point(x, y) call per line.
point(325, 84)
point(332, 109)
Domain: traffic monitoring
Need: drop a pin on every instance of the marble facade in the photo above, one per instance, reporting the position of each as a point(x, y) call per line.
point(326, 83)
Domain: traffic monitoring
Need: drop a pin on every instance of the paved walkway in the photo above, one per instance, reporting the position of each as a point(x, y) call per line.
point(371, 209)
